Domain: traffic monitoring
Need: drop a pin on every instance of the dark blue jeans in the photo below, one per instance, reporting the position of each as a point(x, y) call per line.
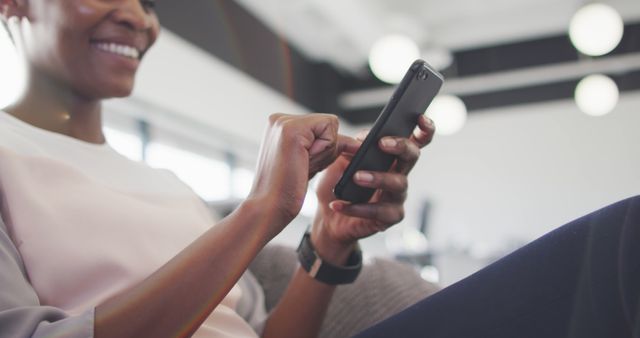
point(581, 280)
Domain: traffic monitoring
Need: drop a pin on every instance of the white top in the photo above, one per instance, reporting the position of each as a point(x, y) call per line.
point(89, 223)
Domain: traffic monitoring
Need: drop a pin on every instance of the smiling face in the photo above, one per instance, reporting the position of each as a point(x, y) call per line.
point(92, 46)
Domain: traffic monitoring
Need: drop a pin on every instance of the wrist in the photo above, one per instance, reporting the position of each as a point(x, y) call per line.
point(265, 224)
point(324, 271)
point(328, 248)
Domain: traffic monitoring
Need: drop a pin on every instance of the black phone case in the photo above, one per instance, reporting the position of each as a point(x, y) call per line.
point(398, 118)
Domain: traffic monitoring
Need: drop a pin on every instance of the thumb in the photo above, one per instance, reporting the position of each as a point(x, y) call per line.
point(344, 144)
point(347, 145)
point(319, 146)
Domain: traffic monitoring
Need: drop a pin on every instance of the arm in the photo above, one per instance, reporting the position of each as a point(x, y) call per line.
point(178, 297)
point(338, 226)
point(193, 283)
point(302, 308)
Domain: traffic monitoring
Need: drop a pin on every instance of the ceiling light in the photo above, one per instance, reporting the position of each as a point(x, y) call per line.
point(430, 273)
point(13, 76)
point(438, 57)
point(596, 29)
point(596, 95)
point(391, 56)
point(449, 114)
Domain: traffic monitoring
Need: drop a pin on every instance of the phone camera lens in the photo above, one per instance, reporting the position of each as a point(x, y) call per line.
point(423, 74)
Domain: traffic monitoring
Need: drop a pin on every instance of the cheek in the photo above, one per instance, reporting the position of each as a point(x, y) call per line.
point(50, 41)
point(155, 30)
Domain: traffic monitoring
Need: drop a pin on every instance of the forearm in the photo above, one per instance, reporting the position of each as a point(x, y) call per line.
point(176, 299)
point(302, 309)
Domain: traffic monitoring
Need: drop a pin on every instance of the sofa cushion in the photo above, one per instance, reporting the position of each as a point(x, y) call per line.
point(384, 287)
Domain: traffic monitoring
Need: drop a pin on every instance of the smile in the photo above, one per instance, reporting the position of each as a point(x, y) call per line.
point(118, 49)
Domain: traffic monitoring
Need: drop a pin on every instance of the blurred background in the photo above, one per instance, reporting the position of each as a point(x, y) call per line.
point(539, 117)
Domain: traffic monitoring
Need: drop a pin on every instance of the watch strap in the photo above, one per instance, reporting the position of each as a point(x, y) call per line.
point(326, 272)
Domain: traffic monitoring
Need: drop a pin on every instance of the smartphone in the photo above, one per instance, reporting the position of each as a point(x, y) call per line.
point(399, 118)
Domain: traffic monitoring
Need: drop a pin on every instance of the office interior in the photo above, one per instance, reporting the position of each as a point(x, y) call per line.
point(535, 129)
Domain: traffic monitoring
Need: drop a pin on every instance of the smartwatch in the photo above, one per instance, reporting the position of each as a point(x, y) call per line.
point(326, 272)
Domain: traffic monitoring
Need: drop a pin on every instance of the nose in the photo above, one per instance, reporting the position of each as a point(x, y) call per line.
point(133, 15)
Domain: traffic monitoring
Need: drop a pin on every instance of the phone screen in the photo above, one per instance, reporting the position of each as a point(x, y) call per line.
point(398, 118)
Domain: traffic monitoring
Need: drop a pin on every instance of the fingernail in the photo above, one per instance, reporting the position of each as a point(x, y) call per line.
point(362, 135)
point(335, 206)
point(364, 176)
point(389, 142)
point(430, 121)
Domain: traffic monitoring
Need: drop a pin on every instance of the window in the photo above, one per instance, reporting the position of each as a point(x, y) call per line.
point(242, 182)
point(127, 144)
point(209, 178)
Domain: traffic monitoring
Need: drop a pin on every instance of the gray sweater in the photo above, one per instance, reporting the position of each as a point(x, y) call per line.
point(21, 314)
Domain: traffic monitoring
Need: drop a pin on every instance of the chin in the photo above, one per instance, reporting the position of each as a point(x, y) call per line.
point(110, 90)
point(121, 93)
point(122, 88)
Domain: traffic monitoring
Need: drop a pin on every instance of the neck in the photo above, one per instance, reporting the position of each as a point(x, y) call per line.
point(53, 106)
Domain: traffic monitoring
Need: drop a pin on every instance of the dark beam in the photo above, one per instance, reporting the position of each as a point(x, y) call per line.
point(228, 31)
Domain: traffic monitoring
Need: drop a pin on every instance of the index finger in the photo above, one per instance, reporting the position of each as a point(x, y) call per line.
point(423, 134)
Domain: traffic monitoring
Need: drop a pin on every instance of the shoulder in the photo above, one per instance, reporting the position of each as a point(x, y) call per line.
point(14, 140)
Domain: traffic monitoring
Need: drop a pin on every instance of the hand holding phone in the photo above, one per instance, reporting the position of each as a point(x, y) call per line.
point(398, 118)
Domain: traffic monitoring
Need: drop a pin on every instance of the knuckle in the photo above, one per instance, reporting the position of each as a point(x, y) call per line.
point(330, 117)
point(403, 196)
point(403, 182)
point(429, 136)
point(288, 126)
point(415, 153)
point(275, 118)
point(399, 214)
point(403, 144)
point(333, 119)
point(395, 182)
point(374, 213)
point(333, 122)
point(410, 147)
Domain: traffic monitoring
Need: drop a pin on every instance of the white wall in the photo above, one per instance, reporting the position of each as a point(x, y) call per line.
point(513, 174)
point(182, 88)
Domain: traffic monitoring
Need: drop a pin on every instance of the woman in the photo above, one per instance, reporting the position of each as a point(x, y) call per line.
point(97, 231)
point(95, 245)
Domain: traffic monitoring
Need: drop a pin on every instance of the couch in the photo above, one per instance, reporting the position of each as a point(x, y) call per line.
point(383, 288)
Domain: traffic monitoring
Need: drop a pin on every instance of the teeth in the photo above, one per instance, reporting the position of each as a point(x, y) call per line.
point(126, 51)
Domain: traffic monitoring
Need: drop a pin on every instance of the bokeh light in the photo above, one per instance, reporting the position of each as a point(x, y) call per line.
point(391, 56)
point(596, 95)
point(596, 29)
point(449, 113)
point(438, 57)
